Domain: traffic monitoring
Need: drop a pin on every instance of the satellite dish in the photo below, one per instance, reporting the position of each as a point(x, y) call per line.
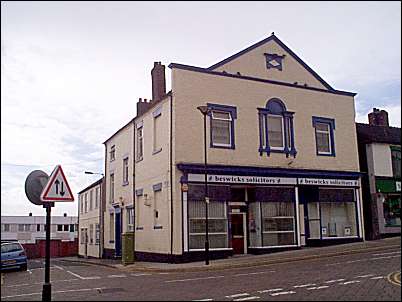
point(34, 185)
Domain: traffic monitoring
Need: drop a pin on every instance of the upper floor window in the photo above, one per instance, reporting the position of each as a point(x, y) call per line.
point(324, 135)
point(222, 125)
point(81, 204)
point(96, 197)
point(6, 227)
point(86, 202)
point(140, 141)
point(157, 147)
point(91, 200)
point(24, 227)
point(112, 153)
point(125, 171)
point(111, 188)
point(396, 161)
point(276, 128)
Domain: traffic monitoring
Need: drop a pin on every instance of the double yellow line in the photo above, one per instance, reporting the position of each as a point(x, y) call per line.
point(395, 278)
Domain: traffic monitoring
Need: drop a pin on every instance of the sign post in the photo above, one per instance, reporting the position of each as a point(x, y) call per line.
point(51, 189)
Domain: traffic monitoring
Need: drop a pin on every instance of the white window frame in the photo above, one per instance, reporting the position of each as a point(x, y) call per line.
point(283, 132)
point(125, 171)
point(230, 120)
point(111, 188)
point(112, 153)
point(140, 150)
point(329, 137)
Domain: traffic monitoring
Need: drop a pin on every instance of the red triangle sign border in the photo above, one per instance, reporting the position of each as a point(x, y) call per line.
point(46, 190)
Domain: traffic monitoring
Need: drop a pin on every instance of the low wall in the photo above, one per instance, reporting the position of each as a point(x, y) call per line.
point(58, 248)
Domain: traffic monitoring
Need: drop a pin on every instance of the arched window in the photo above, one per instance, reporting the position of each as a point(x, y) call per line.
point(276, 128)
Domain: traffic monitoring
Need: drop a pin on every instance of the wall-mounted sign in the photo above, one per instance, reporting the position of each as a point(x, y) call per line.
point(328, 182)
point(259, 180)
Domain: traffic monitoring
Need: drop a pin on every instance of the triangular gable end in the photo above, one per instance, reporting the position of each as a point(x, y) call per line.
point(271, 59)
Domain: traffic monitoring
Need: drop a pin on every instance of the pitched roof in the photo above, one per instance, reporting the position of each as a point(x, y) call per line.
point(276, 39)
point(99, 181)
point(378, 134)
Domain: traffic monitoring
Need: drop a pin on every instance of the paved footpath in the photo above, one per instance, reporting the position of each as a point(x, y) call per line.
point(369, 274)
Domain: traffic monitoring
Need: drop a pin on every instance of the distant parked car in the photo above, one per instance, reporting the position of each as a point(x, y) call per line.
point(13, 255)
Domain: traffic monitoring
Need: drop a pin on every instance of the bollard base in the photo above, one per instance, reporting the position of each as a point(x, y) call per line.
point(47, 292)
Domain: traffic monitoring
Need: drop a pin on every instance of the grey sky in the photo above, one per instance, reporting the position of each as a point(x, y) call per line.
point(71, 72)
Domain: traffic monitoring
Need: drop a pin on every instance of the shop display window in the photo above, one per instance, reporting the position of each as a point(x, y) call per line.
point(254, 224)
point(314, 220)
point(392, 210)
point(339, 219)
point(217, 224)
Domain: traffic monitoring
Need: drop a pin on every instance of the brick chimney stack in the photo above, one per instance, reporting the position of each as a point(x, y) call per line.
point(158, 81)
point(143, 105)
point(378, 118)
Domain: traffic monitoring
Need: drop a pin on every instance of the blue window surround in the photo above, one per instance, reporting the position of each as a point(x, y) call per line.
point(233, 113)
point(331, 123)
point(275, 106)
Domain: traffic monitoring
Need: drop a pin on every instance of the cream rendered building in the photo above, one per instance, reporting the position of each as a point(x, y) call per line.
point(283, 168)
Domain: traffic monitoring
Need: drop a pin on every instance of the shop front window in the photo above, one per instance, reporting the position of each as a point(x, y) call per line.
point(217, 224)
point(338, 219)
point(278, 223)
point(313, 209)
point(254, 224)
point(392, 210)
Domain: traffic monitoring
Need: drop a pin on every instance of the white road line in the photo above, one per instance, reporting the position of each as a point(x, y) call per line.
point(317, 287)
point(269, 290)
point(332, 281)
point(238, 295)
point(161, 274)
point(376, 278)
point(247, 298)
point(29, 271)
point(350, 282)
point(398, 252)
point(256, 273)
point(55, 292)
point(117, 276)
point(76, 275)
point(304, 285)
point(59, 267)
point(143, 274)
point(365, 276)
point(184, 280)
point(36, 283)
point(385, 257)
point(204, 300)
point(91, 278)
point(282, 293)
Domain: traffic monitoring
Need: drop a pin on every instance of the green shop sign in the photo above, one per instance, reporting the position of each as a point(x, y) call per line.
point(388, 186)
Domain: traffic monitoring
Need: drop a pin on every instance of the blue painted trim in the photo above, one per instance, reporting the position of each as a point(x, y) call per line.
point(331, 123)
point(260, 171)
point(157, 187)
point(139, 192)
point(233, 113)
point(203, 70)
point(157, 112)
point(158, 227)
point(287, 49)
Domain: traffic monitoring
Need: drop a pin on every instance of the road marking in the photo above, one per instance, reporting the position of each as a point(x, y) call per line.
point(304, 285)
point(385, 257)
point(55, 292)
point(317, 287)
point(333, 281)
point(184, 280)
point(376, 278)
point(282, 293)
point(29, 271)
point(160, 274)
point(365, 276)
point(117, 276)
point(143, 274)
point(247, 298)
point(256, 273)
point(238, 295)
point(350, 282)
point(36, 283)
point(269, 290)
point(398, 252)
point(76, 275)
point(91, 278)
point(204, 300)
point(59, 267)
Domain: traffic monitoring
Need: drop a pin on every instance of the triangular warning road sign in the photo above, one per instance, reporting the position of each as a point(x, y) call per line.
point(57, 188)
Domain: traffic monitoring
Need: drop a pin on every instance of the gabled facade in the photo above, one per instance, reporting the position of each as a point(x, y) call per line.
point(283, 167)
point(380, 159)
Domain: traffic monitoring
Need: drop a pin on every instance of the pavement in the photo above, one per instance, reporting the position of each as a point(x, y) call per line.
point(238, 261)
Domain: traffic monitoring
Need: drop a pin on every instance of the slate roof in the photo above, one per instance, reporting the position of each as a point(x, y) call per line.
point(378, 134)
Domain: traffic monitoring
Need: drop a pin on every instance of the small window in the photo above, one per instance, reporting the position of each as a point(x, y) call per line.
point(38, 227)
point(157, 134)
point(130, 219)
point(91, 200)
point(111, 196)
point(222, 125)
point(97, 233)
point(324, 129)
point(81, 204)
point(86, 202)
point(396, 161)
point(65, 228)
point(125, 171)
point(112, 153)
point(6, 227)
point(59, 228)
point(140, 141)
point(72, 228)
point(96, 197)
point(91, 233)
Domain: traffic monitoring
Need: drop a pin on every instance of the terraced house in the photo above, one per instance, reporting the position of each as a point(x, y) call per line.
point(282, 171)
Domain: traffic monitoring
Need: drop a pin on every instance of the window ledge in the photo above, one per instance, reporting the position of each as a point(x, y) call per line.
point(158, 227)
point(156, 151)
point(125, 184)
point(139, 228)
point(139, 159)
point(222, 147)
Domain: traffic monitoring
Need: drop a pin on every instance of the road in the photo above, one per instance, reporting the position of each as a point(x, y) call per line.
point(364, 276)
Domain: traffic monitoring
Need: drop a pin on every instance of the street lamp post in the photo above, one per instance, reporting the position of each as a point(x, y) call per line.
point(204, 111)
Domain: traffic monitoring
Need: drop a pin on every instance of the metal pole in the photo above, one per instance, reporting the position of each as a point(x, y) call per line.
point(206, 193)
point(47, 287)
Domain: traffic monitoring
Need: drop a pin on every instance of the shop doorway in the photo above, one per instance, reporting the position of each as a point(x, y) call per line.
point(238, 238)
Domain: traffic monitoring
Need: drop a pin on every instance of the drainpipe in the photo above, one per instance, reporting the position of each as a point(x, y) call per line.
point(171, 176)
point(134, 196)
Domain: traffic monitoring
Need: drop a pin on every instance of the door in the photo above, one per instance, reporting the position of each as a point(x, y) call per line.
point(237, 233)
point(117, 233)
